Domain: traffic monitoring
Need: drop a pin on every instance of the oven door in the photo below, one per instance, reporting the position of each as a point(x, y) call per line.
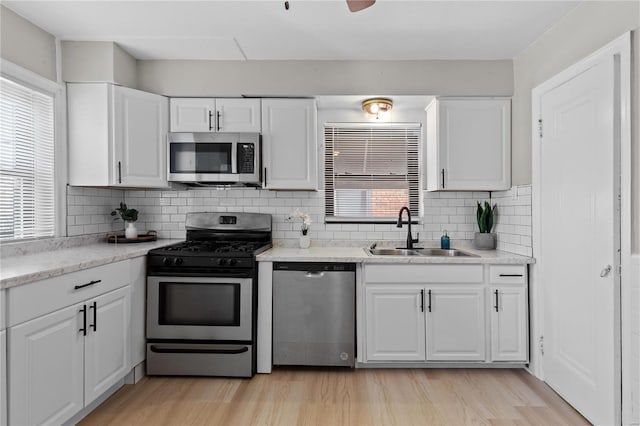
point(199, 308)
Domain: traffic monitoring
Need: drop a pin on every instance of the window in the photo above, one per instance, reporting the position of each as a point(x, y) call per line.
point(27, 204)
point(371, 171)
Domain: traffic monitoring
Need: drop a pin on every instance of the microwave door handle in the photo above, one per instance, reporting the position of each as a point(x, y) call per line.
point(234, 158)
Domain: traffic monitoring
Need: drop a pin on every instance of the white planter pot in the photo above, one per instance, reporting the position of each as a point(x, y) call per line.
point(484, 241)
point(304, 242)
point(130, 230)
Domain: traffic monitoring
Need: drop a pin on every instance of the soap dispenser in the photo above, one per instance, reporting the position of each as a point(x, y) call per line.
point(445, 242)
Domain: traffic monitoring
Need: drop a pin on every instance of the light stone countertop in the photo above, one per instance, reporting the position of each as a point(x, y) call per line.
point(358, 255)
point(27, 268)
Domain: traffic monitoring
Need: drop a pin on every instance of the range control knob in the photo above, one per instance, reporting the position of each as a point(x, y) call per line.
point(232, 262)
point(166, 261)
point(222, 262)
point(178, 261)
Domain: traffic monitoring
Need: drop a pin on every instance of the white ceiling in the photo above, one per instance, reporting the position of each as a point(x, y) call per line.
point(309, 30)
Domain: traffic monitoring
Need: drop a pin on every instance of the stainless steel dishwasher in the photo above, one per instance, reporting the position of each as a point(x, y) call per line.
point(314, 313)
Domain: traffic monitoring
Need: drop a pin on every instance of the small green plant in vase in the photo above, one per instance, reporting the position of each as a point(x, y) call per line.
point(129, 217)
point(485, 239)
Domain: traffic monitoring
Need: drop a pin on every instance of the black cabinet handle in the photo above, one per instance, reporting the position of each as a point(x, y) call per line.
point(87, 284)
point(429, 300)
point(510, 275)
point(422, 300)
point(265, 176)
point(442, 178)
point(210, 124)
point(95, 316)
point(217, 121)
point(119, 172)
point(496, 305)
point(84, 320)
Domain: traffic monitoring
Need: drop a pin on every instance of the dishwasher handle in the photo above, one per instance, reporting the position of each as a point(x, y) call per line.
point(314, 274)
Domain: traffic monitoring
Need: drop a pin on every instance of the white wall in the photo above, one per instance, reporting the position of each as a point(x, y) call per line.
point(97, 61)
point(588, 27)
point(312, 78)
point(27, 45)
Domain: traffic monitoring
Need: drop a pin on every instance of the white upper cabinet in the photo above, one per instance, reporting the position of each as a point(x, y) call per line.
point(215, 115)
point(117, 136)
point(468, 144)
point(289, 144)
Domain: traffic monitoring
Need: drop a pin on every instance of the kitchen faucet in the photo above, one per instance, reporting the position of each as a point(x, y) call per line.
point(410, 239)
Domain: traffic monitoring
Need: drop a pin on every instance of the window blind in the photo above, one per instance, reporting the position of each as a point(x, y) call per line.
point(371, 171)
point(26, 162)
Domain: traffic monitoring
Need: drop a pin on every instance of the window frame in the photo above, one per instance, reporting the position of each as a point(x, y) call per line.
point(57, 91)
point(416, 217)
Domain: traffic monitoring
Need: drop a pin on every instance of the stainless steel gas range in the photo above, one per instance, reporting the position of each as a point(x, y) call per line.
point(202, 297)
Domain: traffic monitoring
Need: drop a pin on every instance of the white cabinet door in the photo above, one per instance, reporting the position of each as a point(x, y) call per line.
point(140, 133)
point(116, 136)
point(215, 115)
point(470, 146)
point(455, 323)
point(107, 351)
point(289, 148)
point(238, 115)
point(192, 114)
point(138, 309)
point(3, 378)
point(45, 368)
point(394, 323)
point(509, 323)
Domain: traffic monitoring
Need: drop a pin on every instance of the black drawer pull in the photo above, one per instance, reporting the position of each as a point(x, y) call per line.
point(78, 287)
point(510, 275)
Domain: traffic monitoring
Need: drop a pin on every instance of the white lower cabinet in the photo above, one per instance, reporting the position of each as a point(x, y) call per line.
point(445, 313)
point(509, 326)
point(138, 309)
point(61, 358)
point(106, 347)
point(455, 324)
point(395, 324)
point(46, 374)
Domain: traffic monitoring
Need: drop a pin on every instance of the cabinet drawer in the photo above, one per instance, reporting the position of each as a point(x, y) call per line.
point(507, 274)
point(422, 274)
point(32, 300)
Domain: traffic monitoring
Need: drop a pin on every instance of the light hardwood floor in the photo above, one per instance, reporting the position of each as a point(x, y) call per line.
point(341, 397)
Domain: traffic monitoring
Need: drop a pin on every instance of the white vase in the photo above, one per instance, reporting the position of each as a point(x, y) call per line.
point(304, 241)
point(130, 230)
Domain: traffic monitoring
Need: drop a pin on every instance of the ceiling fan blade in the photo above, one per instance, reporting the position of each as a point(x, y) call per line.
point(357, 5)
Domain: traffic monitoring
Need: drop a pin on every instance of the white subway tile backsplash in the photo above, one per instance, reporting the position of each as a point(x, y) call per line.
point(88, 211)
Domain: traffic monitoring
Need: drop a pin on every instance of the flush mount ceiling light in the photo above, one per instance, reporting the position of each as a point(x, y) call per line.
point(375, 106)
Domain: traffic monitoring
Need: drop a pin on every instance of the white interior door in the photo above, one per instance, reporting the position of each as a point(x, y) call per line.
point(579, 241)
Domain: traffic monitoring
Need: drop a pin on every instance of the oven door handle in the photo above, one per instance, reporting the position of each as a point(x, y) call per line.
point(195, 350)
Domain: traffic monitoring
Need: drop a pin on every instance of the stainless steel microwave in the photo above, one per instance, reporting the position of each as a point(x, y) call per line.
point(214, 158)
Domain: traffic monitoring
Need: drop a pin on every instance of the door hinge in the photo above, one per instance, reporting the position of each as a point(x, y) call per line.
point(541, 344)
point(540, 127)
point(619, 270)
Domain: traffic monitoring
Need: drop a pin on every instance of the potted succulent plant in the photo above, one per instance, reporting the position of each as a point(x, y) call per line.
point(129, 217)
point(485, 239)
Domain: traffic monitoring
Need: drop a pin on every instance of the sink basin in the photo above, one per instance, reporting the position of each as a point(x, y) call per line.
point(419, 252)
point(392, 252)
point(445, 253)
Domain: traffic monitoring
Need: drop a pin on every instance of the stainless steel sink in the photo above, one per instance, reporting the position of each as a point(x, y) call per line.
point(392, 252)
point(445, 253)
point(436, 252)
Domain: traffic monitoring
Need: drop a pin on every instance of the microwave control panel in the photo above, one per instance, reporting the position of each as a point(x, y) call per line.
point(246, 157)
